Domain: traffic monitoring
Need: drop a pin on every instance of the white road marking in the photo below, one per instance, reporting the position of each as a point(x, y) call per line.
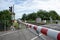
point(38, 36)
point(8, 33)
point(35, 37)
point(41, 36)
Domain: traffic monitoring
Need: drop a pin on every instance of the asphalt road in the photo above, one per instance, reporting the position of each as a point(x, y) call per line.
point(27, 33)
point(23, 34)
point(52, 26)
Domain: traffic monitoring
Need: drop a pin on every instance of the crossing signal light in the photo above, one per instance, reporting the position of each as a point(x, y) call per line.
point(10, 9)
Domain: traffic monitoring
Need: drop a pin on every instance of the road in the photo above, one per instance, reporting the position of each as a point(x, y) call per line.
point(52, 26)
point(26, 33)
point(23, 34)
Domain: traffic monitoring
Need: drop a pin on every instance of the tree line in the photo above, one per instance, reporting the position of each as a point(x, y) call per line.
point(44, 15)
point(5, 19)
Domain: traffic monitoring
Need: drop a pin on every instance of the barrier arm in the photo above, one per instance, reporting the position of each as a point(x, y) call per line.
point(46, 31)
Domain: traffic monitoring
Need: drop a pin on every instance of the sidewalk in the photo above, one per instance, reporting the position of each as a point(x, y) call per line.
point(2, 32)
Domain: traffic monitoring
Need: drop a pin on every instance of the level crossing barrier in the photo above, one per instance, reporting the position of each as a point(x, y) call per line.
point(46, 31)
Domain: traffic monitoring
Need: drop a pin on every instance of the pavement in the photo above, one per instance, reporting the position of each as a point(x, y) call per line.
point(3, 32)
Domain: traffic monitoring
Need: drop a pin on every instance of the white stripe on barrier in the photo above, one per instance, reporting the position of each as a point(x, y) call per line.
point(52, 33)
point(32, 27)
point(39, 29)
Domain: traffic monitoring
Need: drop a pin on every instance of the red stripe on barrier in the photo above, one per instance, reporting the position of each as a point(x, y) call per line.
point(58, 36)
point(44, 31)
point(27, 25)
point(30, 25)
point(35, 27)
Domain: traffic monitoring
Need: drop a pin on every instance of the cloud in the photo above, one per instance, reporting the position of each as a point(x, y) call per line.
point(29, 6)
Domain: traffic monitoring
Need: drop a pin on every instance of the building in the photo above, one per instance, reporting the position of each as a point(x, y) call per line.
point(38, 20)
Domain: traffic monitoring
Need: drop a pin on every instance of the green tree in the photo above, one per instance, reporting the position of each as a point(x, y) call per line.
point(24, 17)
point(32, 16)
point(54, 15)
point(5, 18)
point(44, 15)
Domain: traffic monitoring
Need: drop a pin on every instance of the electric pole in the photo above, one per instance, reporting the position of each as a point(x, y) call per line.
point(11, 9)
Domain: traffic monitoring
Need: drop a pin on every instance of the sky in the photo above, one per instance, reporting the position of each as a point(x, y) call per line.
point(29, 6)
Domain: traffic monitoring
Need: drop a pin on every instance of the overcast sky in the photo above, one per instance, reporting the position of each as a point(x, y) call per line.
point(29, 6)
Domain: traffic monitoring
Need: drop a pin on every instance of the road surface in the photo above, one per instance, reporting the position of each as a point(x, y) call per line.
point(23, 34)
point(26, 33)
point(53, 26)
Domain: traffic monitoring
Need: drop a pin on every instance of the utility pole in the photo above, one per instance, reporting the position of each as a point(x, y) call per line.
point(11, 9)
point(51, 20)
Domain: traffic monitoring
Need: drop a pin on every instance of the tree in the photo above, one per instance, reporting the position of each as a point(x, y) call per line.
point(43, 14)
point(24, 17)
point(31, 16)
point(5, 18)
point(54, 15)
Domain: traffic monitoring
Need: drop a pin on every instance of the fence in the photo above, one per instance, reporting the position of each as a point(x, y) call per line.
point(46, 31)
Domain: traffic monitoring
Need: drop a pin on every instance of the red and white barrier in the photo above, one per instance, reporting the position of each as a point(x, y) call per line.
point(49, 32)
point(46, 31)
